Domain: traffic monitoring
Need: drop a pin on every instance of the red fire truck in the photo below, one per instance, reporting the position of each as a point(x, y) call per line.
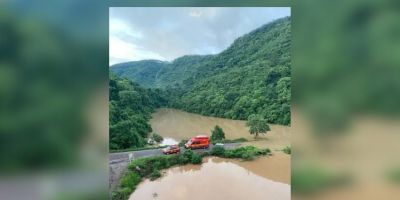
point(198, 142)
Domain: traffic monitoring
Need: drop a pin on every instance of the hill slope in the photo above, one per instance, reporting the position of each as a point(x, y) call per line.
point(130, 107)
point(143, 72)
point(252, 76)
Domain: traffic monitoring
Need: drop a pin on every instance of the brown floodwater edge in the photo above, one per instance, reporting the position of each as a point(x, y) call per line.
point(178, 125)
point(219, 178)
point(276, 167)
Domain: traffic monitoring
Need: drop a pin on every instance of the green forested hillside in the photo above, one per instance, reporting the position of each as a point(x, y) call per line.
point(143, 72)
point(252, 76)
point(130, 107)
point(179, 73)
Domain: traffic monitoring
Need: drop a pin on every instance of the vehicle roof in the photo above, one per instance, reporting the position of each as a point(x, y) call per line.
point(201, 136)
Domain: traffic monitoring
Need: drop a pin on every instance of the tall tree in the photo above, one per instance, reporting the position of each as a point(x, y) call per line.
point(257, 124)
point(217, 133)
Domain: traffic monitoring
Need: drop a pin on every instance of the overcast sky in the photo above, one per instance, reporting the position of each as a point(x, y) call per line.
point(168, 33)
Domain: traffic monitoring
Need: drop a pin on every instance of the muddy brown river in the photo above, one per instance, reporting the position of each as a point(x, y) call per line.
point(217, 178)
point(176, 125)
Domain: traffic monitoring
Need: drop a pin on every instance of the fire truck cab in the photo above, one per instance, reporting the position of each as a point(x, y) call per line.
point(198, 142)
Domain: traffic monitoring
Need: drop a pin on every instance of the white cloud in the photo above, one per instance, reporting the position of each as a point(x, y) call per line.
point(120, 27)
point(203, 12)
point(195, 13)
point(121, 51)
point(117, 25)
point(168, 33)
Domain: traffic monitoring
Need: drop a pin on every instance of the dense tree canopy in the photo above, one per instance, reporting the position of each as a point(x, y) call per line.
point(252, 76)
point(130, 107)
point(143, 72)
point(257, 124)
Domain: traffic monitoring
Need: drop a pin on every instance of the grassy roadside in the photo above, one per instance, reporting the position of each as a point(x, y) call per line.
point(225, 141)
point(150, 167)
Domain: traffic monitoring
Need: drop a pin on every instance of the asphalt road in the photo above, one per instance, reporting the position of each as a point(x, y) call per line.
point(124, 156)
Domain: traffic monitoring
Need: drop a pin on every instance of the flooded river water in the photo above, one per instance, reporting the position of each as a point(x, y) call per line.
point(177, 125)
point(217, 178)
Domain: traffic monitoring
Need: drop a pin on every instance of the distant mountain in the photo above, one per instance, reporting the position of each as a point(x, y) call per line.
point(143, 72)
point(252, 76)
point(177, 73)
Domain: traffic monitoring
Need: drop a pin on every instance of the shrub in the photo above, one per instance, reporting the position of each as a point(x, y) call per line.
point(246, 153)
point(130, 180)
point(139, 164)
point(183, 160)
point(204, 154)
point(287, 150)
point(229, 154)
point(147, 165)
point(182, 143)
point(217, 151)
point(217, 134)
point(157, 138)
point(238, 152)
point(122, 193)
point(196, 159)
point(260, 152)
point(155, 175)
point(188, 154)
point(173, 160)
point(247, 156)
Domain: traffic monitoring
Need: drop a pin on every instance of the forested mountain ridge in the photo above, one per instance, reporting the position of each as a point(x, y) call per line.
point(252, 76)
point(177, 73)
point(144, 71)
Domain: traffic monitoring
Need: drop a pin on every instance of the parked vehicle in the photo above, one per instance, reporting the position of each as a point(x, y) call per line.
point(171, 149)
point(198, 142)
